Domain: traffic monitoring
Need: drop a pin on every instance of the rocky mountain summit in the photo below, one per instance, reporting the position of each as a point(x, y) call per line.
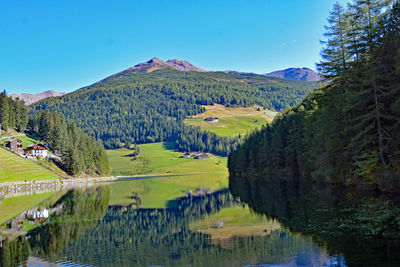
point(32, 98)
point(297, 74)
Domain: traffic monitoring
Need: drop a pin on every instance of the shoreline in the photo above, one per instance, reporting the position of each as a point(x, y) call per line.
point(12, 189)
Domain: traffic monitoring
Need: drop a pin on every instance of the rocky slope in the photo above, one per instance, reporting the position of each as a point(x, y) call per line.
point(297, 74)
point(32, 98)
point(157, 64)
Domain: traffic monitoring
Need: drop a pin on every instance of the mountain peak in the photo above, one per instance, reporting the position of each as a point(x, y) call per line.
point(183, 65)
point(156, 60)
point(157, 64)
point(297, 74)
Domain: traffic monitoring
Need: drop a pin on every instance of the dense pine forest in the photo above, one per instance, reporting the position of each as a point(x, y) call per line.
point(80, 153)
point(347, 131)
point(139, 108)
point(13, 114)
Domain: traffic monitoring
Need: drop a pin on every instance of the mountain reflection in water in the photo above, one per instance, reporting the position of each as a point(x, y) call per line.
point(89, 232)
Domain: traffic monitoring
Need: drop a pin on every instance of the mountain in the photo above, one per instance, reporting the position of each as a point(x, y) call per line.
point(183, 65)
point(32, 98)
point(158, 64)
point(296, 74)
point(149, 102)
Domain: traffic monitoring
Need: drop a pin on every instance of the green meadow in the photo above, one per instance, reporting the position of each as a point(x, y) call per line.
point(232, 121)
point(160, 159)
point(230, 127)
point(16, 169)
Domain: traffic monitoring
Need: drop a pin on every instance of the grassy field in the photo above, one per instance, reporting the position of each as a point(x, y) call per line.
point(238, 221)
point(232, 121)
point(160, 159)
point(15, 169)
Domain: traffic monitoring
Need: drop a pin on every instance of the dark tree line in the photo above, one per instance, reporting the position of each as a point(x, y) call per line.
point(151, 107)
point(79, 152)
point(347, 131)
point(13, 113)
point(361, 226)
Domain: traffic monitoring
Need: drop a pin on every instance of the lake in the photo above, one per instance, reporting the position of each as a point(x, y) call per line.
point(258, 226)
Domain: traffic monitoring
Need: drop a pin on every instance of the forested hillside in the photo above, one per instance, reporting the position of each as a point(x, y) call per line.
point(348, 131)
point(13, 113)
point(80, 153)
point(136, 107)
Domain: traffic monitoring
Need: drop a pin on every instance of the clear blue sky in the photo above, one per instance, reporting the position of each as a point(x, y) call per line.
point(64, 45)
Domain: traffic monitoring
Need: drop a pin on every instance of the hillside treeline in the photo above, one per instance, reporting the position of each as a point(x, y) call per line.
point(348, 131)
point(13, 114)
point(80, 153)
point(143, 108)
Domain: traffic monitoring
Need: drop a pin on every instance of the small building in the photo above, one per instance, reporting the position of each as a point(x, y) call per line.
point(217, 225)
point(201, 156)
point(15, 145)
point(36, 150)
point(186, 155)
point(211, 119)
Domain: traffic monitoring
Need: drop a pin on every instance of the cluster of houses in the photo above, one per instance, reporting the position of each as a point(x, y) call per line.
point(196, 155)
point(211, 119)
point(32, 151)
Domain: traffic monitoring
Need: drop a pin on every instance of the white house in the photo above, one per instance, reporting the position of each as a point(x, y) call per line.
point(36, 150)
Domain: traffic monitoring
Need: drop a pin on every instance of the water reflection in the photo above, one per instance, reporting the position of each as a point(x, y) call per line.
point(364, 227)
point(89, 232)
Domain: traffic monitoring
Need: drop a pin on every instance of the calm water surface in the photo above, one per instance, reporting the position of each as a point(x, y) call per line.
point(213, 229)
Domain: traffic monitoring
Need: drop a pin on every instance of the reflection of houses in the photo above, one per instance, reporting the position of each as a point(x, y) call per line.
point(37, 215)
point(211, 119)
point(17, 224)
point(15, 145)
point(202, 191)
point(36, 150)
point(187, 155)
